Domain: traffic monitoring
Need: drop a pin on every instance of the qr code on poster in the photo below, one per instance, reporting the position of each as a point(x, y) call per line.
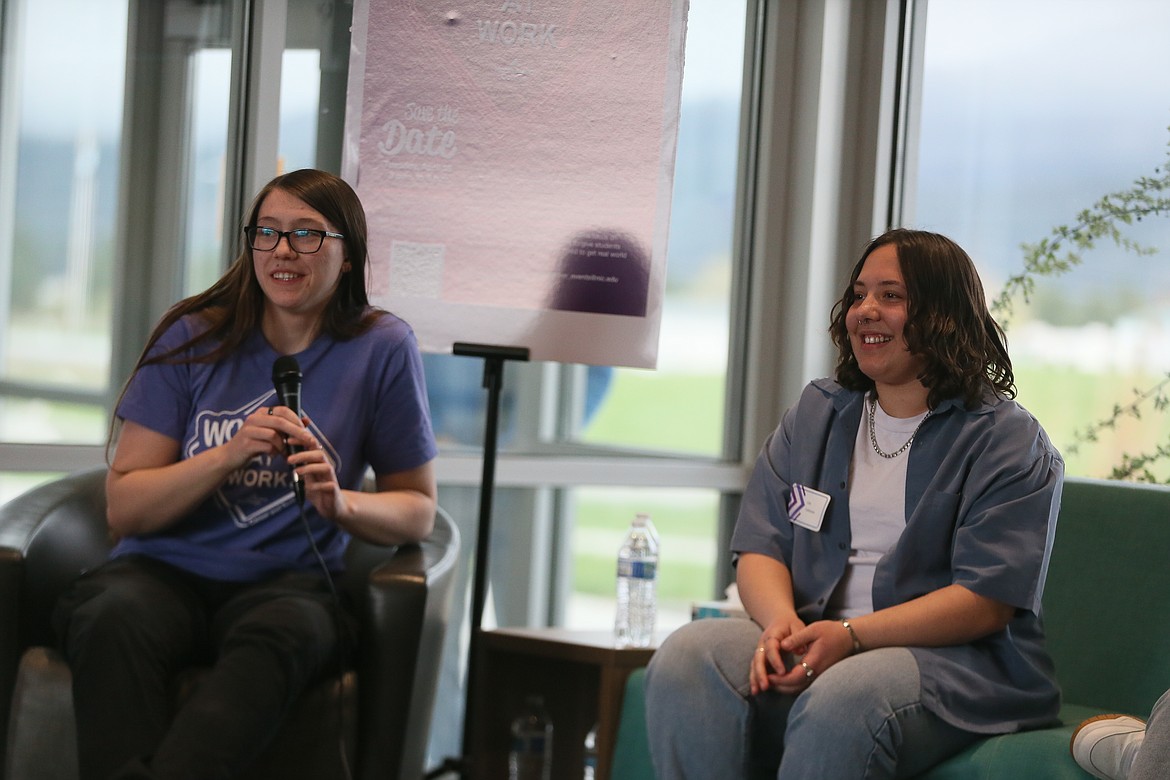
point(416, 269)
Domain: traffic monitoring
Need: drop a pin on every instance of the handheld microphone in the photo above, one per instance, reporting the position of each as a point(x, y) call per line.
point(286, 378)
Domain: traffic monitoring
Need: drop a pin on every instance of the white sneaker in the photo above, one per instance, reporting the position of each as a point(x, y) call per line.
point(1105, 746)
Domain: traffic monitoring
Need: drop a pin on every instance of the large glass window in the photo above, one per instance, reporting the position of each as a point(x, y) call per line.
point(87, 261)
point(60, 131)
point(678, 408)
point(1031, 112)
point(211, 75)
point(686, 524)
point(313, 82)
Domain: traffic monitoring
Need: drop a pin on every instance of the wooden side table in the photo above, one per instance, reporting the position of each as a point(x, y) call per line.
point(580, 674)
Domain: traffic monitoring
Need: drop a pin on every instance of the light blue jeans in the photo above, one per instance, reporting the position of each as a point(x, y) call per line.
point(861, 718)
point(1154, 756)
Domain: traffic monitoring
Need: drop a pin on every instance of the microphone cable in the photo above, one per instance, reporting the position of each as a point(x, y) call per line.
point(342, 635)
point(287, 379)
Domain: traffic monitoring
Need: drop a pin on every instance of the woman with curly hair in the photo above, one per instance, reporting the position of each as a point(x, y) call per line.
point(891, 551)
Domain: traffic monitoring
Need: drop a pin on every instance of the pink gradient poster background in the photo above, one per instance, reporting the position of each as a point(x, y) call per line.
point(515, 158)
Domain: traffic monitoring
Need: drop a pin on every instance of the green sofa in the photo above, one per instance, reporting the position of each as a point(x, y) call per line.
point(1107, 625)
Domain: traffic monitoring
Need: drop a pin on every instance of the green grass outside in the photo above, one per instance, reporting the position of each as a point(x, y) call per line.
point(683, 413)
point(594, 574)
point(685, 520)
point(1067, 401)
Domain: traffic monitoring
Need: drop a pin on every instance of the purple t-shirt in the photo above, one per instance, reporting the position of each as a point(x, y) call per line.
point(367, 404)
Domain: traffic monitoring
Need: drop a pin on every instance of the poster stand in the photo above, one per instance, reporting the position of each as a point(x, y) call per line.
point(493, 379)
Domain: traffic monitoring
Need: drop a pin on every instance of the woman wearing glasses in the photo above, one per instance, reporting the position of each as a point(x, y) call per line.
point(218, 560)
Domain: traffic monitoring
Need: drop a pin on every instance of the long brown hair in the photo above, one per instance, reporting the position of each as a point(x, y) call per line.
point(964, 350)
point(232, 307)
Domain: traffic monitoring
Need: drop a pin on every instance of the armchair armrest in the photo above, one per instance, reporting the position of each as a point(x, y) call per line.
point(11, 566)
point(401, 597)
point(404, 611)
point(42, 548)
point(55, 532)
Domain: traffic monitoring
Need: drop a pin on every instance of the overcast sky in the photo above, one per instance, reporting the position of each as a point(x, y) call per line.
point(76, 65)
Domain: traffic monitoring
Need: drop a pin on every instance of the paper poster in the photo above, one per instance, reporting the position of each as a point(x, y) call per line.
point(515, 159)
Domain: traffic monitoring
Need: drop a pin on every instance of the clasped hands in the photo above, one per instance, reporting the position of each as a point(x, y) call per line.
point(790, 655)
point(270, 431)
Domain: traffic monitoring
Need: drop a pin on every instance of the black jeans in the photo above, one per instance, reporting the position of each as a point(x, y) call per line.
point(131, 626)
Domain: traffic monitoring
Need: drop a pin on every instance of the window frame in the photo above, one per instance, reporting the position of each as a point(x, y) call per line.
point(817, 149)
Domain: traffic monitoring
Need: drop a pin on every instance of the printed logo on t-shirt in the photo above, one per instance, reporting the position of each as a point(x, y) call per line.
point(264, 486)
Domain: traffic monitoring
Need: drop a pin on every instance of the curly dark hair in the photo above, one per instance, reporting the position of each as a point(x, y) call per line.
point(964, 350)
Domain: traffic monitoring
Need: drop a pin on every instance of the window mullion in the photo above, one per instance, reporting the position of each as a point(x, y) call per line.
point(254, 119)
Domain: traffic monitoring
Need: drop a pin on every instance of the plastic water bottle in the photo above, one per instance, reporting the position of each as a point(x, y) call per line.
point(591, 754)
point(530, 757)
point(637, 585)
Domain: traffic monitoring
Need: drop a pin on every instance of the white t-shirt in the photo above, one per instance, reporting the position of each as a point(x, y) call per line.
point(877, 507)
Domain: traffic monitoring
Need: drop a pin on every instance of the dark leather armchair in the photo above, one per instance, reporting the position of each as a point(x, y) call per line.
point(52, 533)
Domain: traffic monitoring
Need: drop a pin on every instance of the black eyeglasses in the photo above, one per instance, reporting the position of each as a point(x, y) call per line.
point(305, 241)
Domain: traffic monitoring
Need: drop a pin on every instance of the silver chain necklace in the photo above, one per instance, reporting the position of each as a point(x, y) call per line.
point(873, 433)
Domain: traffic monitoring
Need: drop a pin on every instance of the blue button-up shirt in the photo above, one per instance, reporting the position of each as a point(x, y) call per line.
point(982, 493)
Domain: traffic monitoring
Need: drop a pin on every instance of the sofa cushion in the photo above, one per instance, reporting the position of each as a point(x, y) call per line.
point(1107, 582)
point(1042, 754)
point(631, 752)
point(1107, 586)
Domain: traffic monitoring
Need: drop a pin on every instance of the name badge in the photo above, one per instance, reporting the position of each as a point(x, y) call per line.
point(806, 507)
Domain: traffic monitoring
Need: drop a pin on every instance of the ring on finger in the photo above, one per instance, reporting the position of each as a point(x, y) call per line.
point(760, 649)
point(271, 409)
point(808, 670)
